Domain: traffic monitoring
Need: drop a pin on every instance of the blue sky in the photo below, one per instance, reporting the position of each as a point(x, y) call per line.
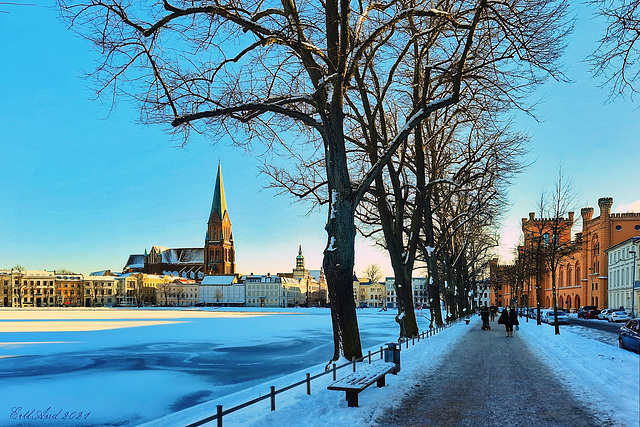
point(83, 186)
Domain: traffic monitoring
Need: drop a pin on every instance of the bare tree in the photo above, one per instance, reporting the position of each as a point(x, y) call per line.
point(557, 243)
point(19, 290)
point(163, 290)
point(10, 3)
point(373, 272)
point(260, 71)
point(617, 58)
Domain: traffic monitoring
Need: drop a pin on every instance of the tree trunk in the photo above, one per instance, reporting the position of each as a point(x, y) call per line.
point(338, 269)
point(538, 320)
point(339, 254)
point(406, 317)
point(432, 263)
point(555, 302)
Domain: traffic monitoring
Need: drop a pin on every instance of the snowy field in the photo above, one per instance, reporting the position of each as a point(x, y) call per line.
point(171, 367)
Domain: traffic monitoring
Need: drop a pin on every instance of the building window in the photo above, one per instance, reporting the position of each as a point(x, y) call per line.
point(618, 227)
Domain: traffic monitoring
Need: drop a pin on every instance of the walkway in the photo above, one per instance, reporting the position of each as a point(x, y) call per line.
point(491, 380)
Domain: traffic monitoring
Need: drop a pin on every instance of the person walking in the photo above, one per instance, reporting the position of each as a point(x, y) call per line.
point(484, 314)
point(508, 318)
point(493, 310)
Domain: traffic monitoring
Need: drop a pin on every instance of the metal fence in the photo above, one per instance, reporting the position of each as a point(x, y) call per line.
point(220, 413)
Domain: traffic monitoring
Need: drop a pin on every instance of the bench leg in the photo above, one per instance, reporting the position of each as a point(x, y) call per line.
point(381, 381)
point(352, 399)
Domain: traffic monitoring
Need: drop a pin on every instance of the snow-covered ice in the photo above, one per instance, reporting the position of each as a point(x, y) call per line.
point(174, 373)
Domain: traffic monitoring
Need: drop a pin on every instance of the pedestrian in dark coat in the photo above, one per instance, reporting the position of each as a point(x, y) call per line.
point(484, 314)
point(508, 318)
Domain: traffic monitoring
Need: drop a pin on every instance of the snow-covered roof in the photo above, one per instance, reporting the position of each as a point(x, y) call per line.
point(103, 273)
point(101, 278)
point(290, 281)
point(219, 280)
point(135, 261)
point(183, 256)
point(178, 279)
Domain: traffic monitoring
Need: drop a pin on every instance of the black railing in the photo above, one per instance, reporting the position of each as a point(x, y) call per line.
point(220, 413)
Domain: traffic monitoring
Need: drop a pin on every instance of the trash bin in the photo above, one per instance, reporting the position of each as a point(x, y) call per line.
point(392, 354)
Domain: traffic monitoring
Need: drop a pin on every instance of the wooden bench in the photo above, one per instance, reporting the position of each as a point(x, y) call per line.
point(354, 383)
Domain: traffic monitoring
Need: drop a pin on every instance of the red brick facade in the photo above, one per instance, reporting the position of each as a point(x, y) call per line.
point(581, 278)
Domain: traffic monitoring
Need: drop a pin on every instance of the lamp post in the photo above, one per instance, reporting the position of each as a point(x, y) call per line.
point(592, 286)
point(633, 284)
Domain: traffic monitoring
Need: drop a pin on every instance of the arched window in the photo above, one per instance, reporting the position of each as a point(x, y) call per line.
point(577, 301)
point(577, 280)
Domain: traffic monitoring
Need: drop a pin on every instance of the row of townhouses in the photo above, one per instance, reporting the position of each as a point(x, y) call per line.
point(49, 289)
point(33, 288)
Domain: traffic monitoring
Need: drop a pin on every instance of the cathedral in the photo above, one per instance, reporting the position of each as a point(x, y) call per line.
point(217, 258)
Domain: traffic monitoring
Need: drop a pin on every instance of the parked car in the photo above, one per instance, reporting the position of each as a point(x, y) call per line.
point(548, 317)
point(593, 314)
point(604, 313)
point(629, 336)
point(544, 315)
point(618, 316)
point(585, 309)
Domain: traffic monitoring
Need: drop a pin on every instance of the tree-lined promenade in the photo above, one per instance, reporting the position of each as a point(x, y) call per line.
point(395, 116)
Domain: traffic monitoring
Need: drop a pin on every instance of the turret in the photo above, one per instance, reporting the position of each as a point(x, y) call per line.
point(605, 203)
point(586, 213)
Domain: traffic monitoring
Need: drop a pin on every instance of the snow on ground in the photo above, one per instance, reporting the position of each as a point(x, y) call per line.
point(603, 376)
point(325, 407)
point(137, 374)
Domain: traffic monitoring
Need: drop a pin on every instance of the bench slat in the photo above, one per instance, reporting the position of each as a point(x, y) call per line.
point(364, 378)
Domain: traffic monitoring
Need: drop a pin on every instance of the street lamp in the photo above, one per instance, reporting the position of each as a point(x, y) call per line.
point(633, 283)
point(591, 275)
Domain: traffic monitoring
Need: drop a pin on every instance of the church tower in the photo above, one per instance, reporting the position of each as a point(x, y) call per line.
point(300, 272)
point(219, 253)
point(300, 259)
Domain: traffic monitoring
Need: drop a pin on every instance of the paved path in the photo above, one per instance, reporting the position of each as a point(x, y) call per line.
point(490, 380)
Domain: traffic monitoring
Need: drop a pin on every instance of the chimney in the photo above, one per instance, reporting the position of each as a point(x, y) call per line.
point(586, 213)
point(605, 203)
point(571, 215)
point(532, 216)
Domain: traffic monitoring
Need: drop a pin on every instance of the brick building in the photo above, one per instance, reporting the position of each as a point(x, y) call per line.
point(582, 276)
point(217, 258)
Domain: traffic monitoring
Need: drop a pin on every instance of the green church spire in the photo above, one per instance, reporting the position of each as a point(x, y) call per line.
point(219, 204)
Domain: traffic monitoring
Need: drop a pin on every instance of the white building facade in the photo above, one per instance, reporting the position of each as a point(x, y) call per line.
point(420, 292)
point(623, 272)
point(273, 291)
point(222, 291)
point(100, 291)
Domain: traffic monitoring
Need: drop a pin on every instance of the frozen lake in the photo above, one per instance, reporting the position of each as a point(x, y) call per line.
point(128, 366)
